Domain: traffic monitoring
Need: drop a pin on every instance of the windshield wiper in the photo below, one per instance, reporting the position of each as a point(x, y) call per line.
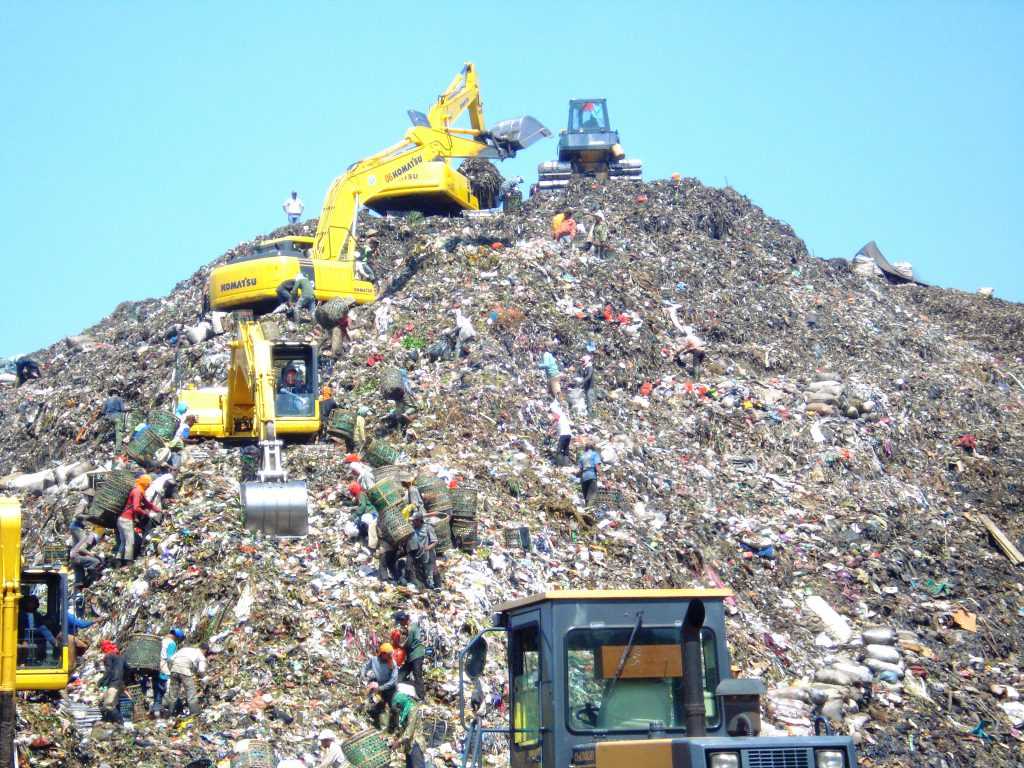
point(625, 653)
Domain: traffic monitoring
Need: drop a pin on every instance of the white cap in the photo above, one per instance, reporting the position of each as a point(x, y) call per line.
point(327, 735)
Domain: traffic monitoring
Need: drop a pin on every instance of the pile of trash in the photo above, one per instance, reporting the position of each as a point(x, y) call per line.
point(844, 453)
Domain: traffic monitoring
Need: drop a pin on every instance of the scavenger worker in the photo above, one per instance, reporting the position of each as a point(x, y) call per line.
point(333, 757)
point(598, 236)
point(422, 547)
point(408, 711)
point(136, 509)
point(293, 207)
point(161, 677)
point(381, 676)
point(588, 462)
point(185, 665)
point(565, 232)
point(560, 421)
point(552, 372)
point(411, 640)
point(115, 672)
point(84, 562)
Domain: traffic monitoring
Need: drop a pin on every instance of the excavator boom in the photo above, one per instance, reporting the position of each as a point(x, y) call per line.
point(415, 174)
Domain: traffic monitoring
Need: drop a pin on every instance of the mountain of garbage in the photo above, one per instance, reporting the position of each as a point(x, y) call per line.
point(845, 454)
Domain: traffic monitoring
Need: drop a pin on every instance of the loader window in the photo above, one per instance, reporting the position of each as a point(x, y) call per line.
point(525, 674)
point(42, 623)
point(649, 686)
point(588, 116)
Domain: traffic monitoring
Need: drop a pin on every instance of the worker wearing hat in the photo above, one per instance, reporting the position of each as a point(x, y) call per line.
point(331, 749)
point(411, 638)
point(422, 547)
point(168, 647)
point(597, 239)
point(136, 510)
point(381, 676)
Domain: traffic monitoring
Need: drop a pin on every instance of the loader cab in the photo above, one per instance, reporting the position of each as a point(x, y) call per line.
point(588, 116)
point(296, 246)
point(43, 654)
point(609, 678)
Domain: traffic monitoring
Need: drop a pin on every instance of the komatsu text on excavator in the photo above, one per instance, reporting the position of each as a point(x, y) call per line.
point(271, 392)
point(413, 175)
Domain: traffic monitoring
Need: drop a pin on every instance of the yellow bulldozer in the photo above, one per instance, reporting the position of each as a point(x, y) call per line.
point(413, 175)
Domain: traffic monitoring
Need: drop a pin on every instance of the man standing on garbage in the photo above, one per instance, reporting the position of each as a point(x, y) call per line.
point(415, 652)
point(381, 676)
point(115, 670)
point(560, 421)
point(589, 461)
point(136, 510)
point(586, 381)
point(160, 678)
point(293, 207)
point(422, 546)
point(549, 365)
point(185, 665)
point(598, 237)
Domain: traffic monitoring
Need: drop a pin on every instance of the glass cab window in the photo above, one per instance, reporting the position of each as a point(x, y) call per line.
point(613, 686)
point(525, 674)
point(296, 386)
point(42, 623)
point(588, 116)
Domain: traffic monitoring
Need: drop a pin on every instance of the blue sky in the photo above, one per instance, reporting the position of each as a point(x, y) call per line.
point(141, 140)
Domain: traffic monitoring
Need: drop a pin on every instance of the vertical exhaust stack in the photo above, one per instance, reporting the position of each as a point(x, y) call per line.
point(693, 671)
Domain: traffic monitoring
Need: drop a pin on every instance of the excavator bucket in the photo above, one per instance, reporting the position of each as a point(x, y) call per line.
point(514, 135)
point(276, 508)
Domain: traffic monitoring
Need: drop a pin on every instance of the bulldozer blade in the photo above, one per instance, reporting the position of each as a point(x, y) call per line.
point(517, 134)
point(276, 509)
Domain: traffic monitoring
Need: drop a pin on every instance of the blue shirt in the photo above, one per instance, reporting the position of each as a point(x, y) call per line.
point(75, 623)
point(588, 465)
point(549, 365)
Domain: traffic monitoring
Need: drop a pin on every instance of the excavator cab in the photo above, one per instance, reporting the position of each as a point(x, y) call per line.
point(44, 655)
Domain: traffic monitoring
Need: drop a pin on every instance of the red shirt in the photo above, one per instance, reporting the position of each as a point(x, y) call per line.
point(134, 508)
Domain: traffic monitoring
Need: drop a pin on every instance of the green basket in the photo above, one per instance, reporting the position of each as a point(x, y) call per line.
point(367, 750)
point(143, 652)
point(144, 446)
point(464, 502)
point(434, 491)
point(385, 494)
point(342, 424)
point(164, 423)
point(392, 527)
point(110, 498)
point(443, 529)
point(380, 454)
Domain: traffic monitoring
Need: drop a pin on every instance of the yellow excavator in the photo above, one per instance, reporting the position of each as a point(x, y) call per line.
point(271, 391)
point(413, 175)
point(35, 651)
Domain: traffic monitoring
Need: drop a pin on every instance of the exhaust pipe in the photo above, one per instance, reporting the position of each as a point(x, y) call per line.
point(693, 671)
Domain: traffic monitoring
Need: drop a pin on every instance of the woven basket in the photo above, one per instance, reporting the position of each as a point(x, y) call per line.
point(144, 446)
point(164, 423)
point(394, 528)
point(391, 384)
point(379, 454)
point(367, 750)
point(386, 494)
point(143, 652)
point(110, 498)
point(435, 494)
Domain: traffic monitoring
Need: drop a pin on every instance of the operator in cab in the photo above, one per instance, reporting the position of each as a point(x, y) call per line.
point(291, 382)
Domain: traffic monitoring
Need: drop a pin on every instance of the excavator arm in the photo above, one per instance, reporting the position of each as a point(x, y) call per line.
point(461, 94)
point(429, 140)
